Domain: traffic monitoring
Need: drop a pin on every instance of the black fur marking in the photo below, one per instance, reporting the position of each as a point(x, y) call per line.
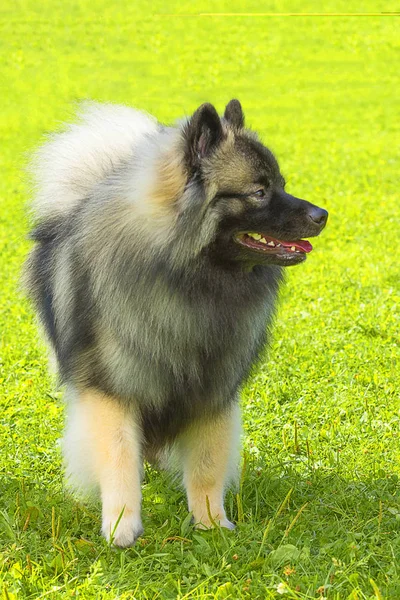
point(43, 293)
point(46, 231)
point(79, 337)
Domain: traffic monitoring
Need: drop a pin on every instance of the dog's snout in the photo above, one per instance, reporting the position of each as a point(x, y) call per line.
point(318, 215)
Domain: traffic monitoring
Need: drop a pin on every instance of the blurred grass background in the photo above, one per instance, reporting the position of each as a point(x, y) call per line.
point(321, 415)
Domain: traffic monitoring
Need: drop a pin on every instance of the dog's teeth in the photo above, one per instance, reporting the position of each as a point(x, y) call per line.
point(271, 243)
point(255, 236)
point(293, 248)
point(278, 245)
point(263, 240)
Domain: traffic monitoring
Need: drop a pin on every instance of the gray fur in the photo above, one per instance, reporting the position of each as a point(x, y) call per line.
point(139, 301)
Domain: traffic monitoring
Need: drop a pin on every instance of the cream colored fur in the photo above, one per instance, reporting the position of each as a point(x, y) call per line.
point(209, 454)
point(103, 448)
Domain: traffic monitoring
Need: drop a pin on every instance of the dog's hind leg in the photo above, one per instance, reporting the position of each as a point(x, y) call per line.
point(103, 447)
point(209, 452)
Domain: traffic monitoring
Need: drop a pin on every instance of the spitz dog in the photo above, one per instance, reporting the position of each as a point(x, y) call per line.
point(158, 257)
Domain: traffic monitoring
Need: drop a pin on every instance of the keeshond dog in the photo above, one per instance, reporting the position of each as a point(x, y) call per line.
point(159, 253)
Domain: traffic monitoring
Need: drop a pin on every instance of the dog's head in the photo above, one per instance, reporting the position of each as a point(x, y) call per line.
point(245, 211)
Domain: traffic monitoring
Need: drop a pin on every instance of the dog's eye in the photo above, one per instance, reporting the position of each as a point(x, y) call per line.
point(260, 193)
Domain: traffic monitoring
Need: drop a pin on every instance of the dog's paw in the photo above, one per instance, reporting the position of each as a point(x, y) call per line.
point(206, 523)
point(125, 533)
point(227, 524)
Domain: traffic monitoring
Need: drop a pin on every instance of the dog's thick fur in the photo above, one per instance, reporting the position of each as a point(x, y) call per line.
point(155, 313)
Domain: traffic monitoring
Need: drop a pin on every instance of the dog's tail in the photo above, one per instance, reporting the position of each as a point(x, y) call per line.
point(70, 164)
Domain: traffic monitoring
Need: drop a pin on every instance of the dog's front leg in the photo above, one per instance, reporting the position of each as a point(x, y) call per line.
point(103, 440)
point(209, 451)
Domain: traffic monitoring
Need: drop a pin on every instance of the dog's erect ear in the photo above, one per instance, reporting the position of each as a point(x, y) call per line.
point(234, 114)
point(203, 133)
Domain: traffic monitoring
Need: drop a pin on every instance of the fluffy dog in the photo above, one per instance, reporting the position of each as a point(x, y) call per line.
point(159, 253)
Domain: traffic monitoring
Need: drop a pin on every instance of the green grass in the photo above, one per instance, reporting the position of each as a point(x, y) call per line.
point(318, 509)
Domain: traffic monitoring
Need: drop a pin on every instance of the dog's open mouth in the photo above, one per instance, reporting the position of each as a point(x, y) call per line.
point(262, 243)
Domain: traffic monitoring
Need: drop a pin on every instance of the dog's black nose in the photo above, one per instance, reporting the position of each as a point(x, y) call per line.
point(318, 215)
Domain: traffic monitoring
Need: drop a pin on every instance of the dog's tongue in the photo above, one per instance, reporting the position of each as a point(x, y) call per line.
point(303, 245)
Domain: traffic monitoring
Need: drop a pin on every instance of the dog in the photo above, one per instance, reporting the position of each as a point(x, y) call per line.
point(159, 252)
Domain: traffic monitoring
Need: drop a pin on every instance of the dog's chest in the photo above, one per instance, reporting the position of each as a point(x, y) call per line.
point(186, 357)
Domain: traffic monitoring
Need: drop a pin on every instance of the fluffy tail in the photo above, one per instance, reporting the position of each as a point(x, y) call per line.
point(71, 163)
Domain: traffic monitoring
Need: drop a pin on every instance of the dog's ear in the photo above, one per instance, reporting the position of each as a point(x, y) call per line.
point(203, 133)
point(234, 114)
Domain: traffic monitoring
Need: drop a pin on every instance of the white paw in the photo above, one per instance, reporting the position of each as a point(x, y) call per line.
point(205, 523)
point(125, 533)
point(227, 524)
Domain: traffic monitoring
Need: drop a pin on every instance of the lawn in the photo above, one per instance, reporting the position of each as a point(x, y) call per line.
point(318, 508)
